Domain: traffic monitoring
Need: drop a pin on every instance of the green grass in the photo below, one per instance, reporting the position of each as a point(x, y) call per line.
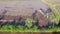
point(29, 22)
point(11, 28)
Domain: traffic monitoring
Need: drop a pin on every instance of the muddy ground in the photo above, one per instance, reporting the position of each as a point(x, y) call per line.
point(21, 8)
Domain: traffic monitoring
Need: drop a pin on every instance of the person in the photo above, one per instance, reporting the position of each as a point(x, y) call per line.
point(34, 14)
point(41, 11)
point(49, 10)
point(46, 14)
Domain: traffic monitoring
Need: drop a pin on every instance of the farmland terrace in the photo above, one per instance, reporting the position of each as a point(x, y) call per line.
point(17, 9)
point(21, 8)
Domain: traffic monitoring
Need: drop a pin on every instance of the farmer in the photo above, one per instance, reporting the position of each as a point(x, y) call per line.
point(49, 10)
point(34, 14)
point(47, 14)
point(41, 11)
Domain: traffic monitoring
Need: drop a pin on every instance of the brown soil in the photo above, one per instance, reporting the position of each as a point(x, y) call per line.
point(24, 9)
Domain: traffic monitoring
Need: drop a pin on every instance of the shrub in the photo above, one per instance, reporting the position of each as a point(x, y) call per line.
point(29, 22)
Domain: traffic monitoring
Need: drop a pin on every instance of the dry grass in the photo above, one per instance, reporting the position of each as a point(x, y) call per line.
point(55, 6)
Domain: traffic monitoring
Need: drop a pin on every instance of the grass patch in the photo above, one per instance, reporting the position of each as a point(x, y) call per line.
point(11, 28)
